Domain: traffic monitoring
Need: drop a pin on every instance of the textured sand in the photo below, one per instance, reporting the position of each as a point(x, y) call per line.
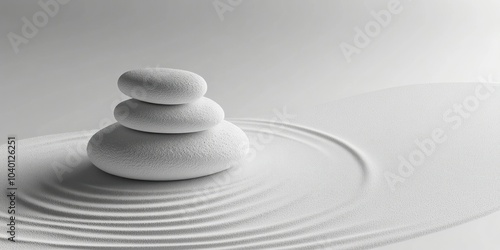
point(317, 185)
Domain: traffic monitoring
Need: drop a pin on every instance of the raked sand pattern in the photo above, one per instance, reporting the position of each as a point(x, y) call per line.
point(318, 185)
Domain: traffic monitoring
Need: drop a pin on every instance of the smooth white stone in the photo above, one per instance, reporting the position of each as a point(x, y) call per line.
point(162, 85)
point(155, 118)
point(146, 156)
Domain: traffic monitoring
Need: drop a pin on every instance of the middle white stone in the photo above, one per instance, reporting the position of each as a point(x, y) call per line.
point(196, 116)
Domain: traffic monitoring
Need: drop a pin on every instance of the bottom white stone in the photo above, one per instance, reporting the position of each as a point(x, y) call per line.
point(158, 157)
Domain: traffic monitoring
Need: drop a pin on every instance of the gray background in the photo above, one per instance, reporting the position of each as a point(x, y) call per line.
point(256, 57)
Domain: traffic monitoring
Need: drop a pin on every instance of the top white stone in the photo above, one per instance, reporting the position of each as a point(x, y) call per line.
point(162, 85)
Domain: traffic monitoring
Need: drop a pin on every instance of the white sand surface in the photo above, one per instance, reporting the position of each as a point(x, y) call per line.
point(335, 178)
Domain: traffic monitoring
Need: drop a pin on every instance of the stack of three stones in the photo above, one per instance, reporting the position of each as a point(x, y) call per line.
point(167, 131)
